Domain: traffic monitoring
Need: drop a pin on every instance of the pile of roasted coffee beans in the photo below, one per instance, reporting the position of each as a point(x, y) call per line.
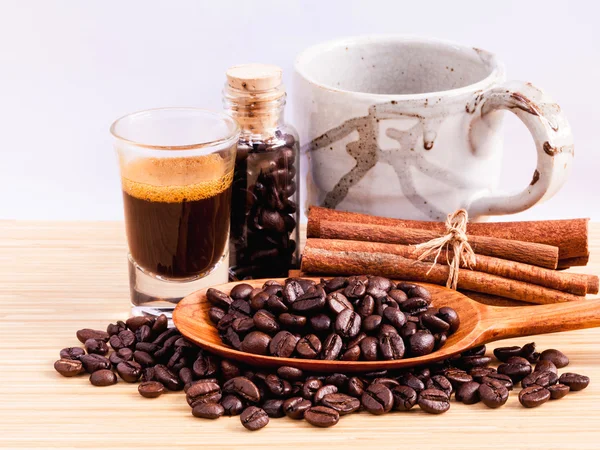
point(143, 349)
point(263, 210)
point(356, 318)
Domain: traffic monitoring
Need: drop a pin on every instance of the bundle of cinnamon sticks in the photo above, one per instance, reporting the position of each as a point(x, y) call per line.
point(514, 260)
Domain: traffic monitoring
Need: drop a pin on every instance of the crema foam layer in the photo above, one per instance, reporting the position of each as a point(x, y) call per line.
point(174, 180)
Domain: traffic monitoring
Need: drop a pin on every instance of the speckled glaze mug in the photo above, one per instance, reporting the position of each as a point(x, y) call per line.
point(409, 127)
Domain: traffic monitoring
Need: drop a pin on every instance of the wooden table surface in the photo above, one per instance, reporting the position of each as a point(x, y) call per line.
point(58, 277)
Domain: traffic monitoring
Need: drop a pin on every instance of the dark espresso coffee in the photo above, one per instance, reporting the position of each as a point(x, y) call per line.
point(177, 213)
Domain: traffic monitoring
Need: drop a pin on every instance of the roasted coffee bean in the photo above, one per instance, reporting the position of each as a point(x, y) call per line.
point(419, 291)
point(365, 306)
point(405, 286)
point(332, 347)
point(205, 366)
point(323, 391)
point(277, 386)
point(386, 330)
point(308, 347)
point(501, 378)
point(241, 291)
point(116, 328)
point(480, 350)
point(408, 330)
point(256, 342)
point(208, 410)
point(123, 339)
point(240, 308)
point(133, 323)
point(310, 302)
point(218, 298)
point(558, 391)
point(283, 344)
point(232, 405)
point(529, 353)
point(377, 399)
point(342, 403)
point(265, 321)
point(355, 387)
point(322, 416)
point(187, 377)
point(147, 347)
point(398, 295)
point(259, 301)
point(87, 333)
point(290, 373)
point(434, 401)
point(229, 369)
point(167, 378)
point(291, 291)
point(92, 363)
point(142, 358)
point(231, 338)
point(321, 323)
point(274, 407)
point(559, 359)
point(242, 387)
point(368, 348)
point(493, 393)
point(276, 305)
point(310, 388)
point(160, 325)
point(103, 377)
point(451, 317)
point(503, 353)
point(457, 377)
point(254, 418)
point(335, 284)
point(337, 302)
point(394, 317)
point(243, 325)
point(292, 321)
point(347, 324)
point(378, 286)
point(440, 383)
point(203, 391)
point(391, 347)
point(434, 323)
point(543, 379)
point(71, 353)
point(479, 372)
point(215, 314)
point(68, 367)
point(544, 365)
point(371, 323)
point(351, 354)
point(575, 381)
point(516, 368)
point(151, 389)
point(414, 305)
point(421, 343)
point(470, 362)
point(129, 371)
point(356, 288)
point(404, 398)
point(296, 407)
point(413, 382)
point(422, 373)
point(165, 335)
point(533, 396)
point(143, 334)
point(468, 393)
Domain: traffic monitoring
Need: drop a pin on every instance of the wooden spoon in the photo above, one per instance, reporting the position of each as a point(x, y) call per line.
point(479, 324)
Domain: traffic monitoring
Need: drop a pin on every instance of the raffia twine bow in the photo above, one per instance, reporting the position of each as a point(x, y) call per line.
point(456, 240)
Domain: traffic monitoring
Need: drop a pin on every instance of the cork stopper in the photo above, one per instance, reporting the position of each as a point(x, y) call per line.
point(254, 77)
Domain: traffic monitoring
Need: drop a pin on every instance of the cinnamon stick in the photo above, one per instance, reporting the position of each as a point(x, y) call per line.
point(526, 252)
point(573, 283)
point(569, 235)
point(316, 260)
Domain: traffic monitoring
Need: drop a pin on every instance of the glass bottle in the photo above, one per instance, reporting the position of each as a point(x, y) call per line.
point(264, 212)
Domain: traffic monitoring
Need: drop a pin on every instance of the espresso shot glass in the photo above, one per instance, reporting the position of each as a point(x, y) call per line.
point(176, 168)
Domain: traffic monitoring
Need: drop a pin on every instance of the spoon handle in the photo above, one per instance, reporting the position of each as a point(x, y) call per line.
point(507, 322)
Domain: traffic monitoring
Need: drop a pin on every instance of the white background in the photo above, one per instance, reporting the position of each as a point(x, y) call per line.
point(68, 68)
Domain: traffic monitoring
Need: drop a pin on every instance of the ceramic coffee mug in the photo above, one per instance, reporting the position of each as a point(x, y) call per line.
point(409, 127)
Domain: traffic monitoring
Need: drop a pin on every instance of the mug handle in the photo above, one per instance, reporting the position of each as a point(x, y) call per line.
point(553, 140)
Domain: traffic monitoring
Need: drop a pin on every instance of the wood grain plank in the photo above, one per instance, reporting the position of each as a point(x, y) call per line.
point(57, 277)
